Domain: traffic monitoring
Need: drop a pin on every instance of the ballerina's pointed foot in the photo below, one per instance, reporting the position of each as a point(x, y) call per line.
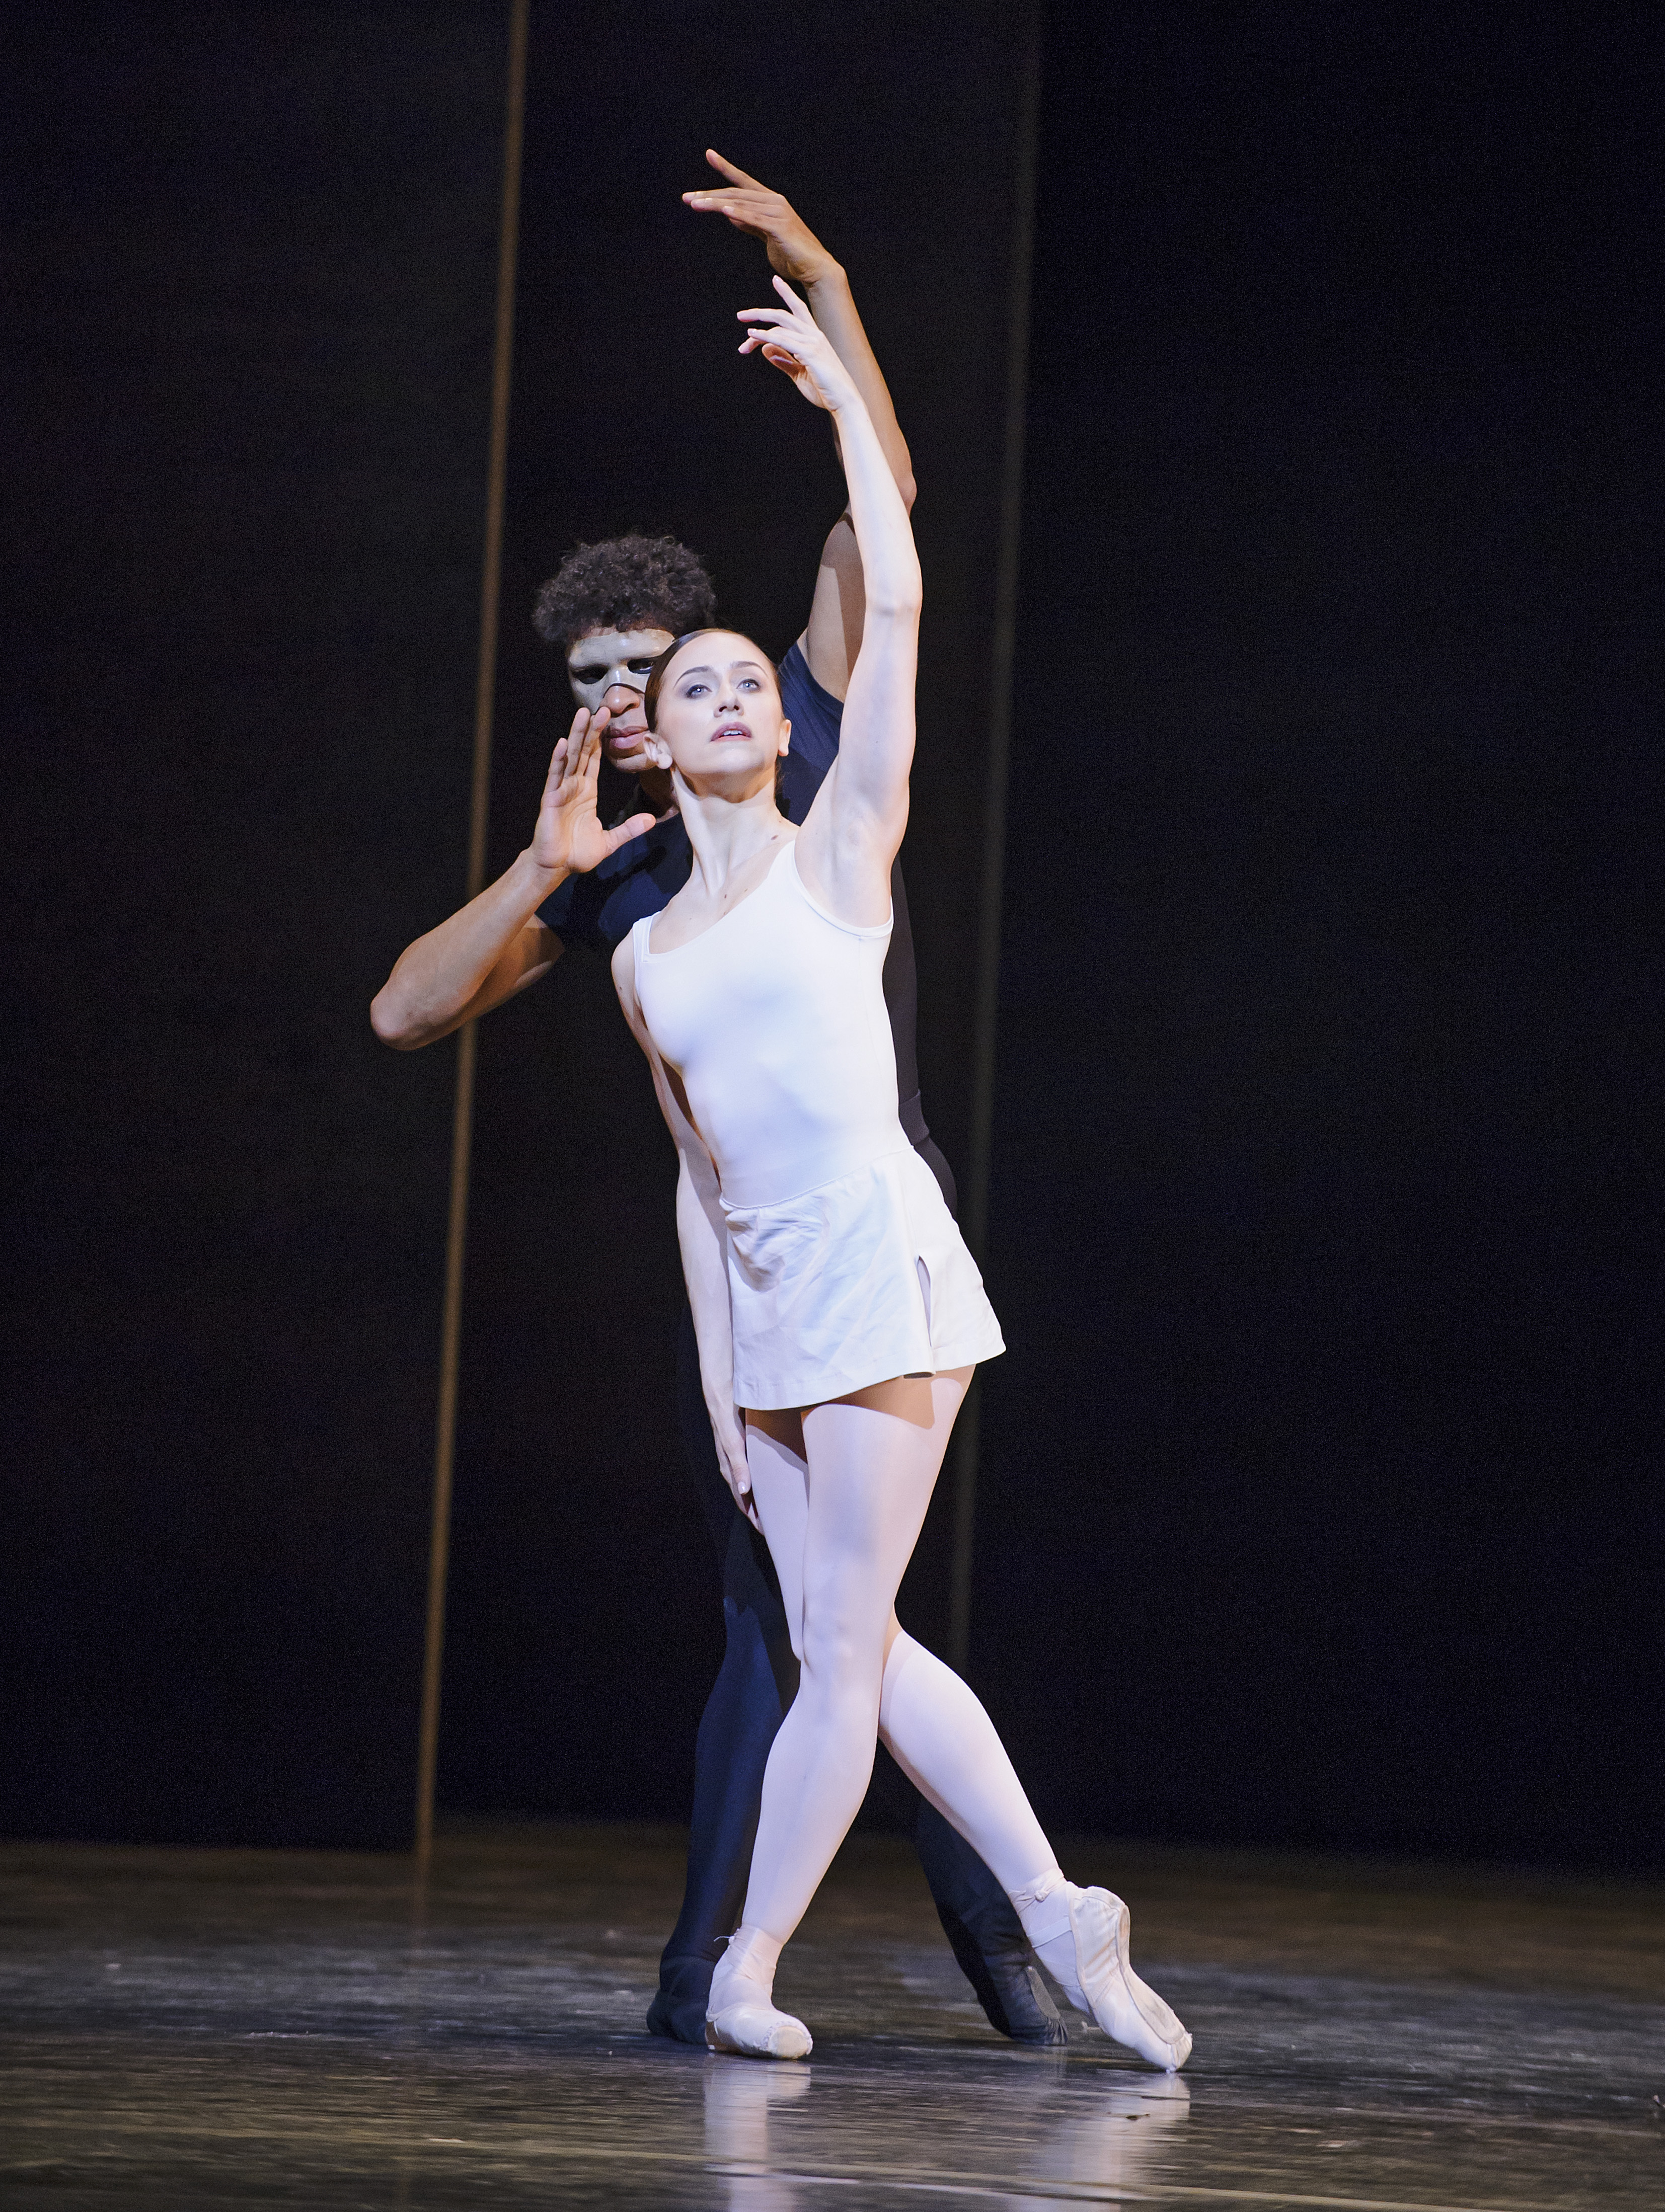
point(1126, 2009)
point(741, 2016)
point(758, 2031)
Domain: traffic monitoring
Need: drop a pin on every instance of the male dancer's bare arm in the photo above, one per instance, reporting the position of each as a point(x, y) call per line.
point(496, 946)
point(833, 636)
point(703, 1237)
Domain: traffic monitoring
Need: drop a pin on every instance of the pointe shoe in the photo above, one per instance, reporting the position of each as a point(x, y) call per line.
point(739, 2016)
point(758, 2031)
point(1128, 2010)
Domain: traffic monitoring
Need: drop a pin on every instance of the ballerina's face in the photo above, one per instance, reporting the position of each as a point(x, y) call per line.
point(718, 712)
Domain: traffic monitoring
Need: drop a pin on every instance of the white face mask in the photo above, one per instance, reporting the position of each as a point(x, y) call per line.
point(609, 669)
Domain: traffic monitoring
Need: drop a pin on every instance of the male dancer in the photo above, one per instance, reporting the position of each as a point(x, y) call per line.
point(612, 607)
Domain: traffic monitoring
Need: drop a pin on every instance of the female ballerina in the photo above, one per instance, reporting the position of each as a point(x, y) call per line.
point(839, 1315)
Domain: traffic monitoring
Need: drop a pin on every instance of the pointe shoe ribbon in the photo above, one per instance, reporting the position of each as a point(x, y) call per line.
point(1128, 2010)
point(739, 2017)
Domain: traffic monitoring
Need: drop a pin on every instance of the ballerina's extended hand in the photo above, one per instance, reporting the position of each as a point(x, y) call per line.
point(794, 342)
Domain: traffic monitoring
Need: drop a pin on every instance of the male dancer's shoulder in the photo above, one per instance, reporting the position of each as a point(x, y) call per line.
point(599, 909)
point(817, 719)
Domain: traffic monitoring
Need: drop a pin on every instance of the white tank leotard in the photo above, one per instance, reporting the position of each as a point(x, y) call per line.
point(844, 1264)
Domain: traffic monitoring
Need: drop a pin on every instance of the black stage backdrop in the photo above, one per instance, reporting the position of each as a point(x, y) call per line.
point(1328, 1195)
point(1316, 1504)
point(252, 253)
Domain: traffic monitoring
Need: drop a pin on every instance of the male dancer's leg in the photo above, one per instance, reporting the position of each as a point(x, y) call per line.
point(983, 1930)
point(755, 1686)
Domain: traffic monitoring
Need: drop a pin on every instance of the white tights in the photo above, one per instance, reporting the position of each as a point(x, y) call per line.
point(841, 1491)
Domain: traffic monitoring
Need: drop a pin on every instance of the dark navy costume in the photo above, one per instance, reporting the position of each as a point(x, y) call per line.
point(759, 1677)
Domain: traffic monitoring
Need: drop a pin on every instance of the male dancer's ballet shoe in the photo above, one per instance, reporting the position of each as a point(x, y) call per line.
point(740, 2016)
point(996, 1962)
point(1127, 2009)
point(678, 2009)
point(985, 1935)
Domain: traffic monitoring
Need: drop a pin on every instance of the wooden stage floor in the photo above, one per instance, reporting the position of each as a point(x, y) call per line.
point(189, 2029)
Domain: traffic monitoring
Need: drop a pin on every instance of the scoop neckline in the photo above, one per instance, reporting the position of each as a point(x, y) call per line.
point(671, 951)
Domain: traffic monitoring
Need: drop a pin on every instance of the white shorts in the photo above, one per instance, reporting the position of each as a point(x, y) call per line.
point(864, 1277)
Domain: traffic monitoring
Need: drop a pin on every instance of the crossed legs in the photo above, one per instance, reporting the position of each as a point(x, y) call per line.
point(755, 1686)
point(842, 1491)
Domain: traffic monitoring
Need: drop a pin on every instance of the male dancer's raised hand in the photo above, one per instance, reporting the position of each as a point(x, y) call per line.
point(832, 635)
point(793, 249)
point(569, 836)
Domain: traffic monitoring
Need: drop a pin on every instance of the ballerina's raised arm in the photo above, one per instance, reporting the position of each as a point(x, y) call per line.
point(852, 833)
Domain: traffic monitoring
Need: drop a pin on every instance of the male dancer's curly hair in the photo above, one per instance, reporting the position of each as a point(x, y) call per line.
point(632, 582)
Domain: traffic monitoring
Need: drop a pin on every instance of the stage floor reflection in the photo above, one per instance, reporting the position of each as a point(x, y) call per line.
point(192, 2029)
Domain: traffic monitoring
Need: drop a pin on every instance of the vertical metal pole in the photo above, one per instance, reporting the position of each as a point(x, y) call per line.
point(445, 1433)
point(974, 1216)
